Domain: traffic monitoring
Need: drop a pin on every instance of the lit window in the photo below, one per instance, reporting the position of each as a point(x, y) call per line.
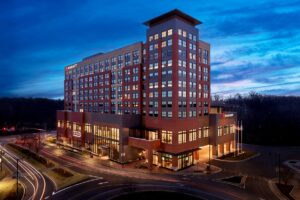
point(205, 131)
point(166, 137)
point(200, 132)
point(184, 33)
point(181, 137)
point(164, 34)
point(179, 32)
point(150, 38)
point(170, 32)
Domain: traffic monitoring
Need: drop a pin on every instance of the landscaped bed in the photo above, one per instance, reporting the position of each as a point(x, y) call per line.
point(285, 189)
point(238, 181)
point(36, 157)
point(59, 175)
point(233, 179)
point(62, 172)
point(238, 157)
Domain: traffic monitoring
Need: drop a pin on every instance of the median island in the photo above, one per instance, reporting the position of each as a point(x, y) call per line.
point(239, 157)
point(59, 175)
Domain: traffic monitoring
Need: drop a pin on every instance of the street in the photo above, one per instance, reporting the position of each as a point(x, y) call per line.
point(106, 181)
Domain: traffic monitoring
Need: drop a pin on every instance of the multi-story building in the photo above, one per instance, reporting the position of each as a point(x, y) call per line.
point(147, 100)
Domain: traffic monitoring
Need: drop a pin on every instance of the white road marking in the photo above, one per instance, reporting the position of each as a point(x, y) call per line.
point(54, 193)
point(101, 183)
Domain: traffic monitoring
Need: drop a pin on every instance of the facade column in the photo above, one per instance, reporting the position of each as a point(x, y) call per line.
point(149, 153)
point(221, 149)
point(214, 151)
point(175, 163)
point(227, 148)
point(232, 146)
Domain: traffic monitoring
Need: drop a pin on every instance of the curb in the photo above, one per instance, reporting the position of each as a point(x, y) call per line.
point(237, 161)
point(275, 190)
point(241, 185)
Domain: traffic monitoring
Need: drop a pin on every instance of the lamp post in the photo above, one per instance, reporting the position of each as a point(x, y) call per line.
point(122, 158)
point(208, 168)
point(241, 136)
point(17, 177)
point(1, 158)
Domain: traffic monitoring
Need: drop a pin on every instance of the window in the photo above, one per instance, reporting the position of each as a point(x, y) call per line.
point(170, 42)
point(200, 132)
point(205, 131)
point(179, 32)
point(170, 32)
point(220, 130)
point(163, 34)
point(181, 137)
point(156, 36)
point(192, 135)
point(166, 137)
point(232, 130)
point(150, 38)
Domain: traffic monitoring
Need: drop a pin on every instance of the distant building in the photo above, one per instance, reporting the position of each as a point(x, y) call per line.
point(147, 100)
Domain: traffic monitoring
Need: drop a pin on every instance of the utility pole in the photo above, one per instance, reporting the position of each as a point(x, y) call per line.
point(1, 159)
point(17, 177)
point(234, 140)
point(241, 136)
point(279, 168)
point(208, 152)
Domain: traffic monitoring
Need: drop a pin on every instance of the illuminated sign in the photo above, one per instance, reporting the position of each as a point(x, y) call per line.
point(229, 115)
point(76, 133)
point(71, 66)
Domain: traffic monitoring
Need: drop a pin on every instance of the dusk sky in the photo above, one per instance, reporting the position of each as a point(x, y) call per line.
point(255, 45)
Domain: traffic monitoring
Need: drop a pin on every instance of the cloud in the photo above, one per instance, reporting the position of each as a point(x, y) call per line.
point(255, 44)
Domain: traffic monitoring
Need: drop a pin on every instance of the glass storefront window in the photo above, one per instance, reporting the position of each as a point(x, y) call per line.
point(166, 160)
point(185, 160)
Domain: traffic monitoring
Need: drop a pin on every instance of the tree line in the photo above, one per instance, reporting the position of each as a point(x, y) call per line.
point(29, 112)
point(267, 119)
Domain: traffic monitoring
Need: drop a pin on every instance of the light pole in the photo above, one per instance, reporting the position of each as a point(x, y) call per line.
point(241, 136)
point(1, 159)
point(122, 158)
point(17, 177)
point(208, 168)
point(279, 168)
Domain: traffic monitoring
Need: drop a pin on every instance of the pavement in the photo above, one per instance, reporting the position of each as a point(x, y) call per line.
point(107, 177)
point(36, 185)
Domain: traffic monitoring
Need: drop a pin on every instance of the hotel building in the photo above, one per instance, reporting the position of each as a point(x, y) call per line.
point(147, 100)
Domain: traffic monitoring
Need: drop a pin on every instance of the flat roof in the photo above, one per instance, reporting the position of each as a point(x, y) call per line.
point(171, 14)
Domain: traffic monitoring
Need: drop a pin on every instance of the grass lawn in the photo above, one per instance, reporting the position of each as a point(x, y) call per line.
point(59, 179)
point(8, 187)
point(242, 156)
point(3, 173)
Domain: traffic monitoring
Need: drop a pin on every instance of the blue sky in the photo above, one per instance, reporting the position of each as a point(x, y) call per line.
point(255, 44)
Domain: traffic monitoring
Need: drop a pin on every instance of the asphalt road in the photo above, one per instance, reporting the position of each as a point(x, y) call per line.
point(105, 181)
point(122, 178)
point(37, 186)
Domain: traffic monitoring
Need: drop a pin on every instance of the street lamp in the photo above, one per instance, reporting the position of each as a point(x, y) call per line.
point(1, 158)
point(208, 167)
point(17, 176)
point(122, 158)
